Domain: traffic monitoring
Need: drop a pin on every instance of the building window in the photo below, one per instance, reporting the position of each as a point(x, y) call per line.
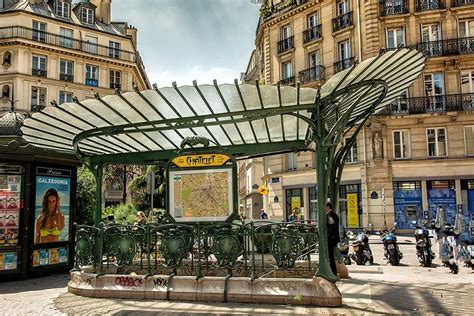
point(38, 98)
point(286, 70)
point(114, 49)
point(62, 9)
point(342, 7)
point(38, 66)
point(66, 37)
point(314, 59)
point(6, 92)
point(92, 75)
point(291, 159)
point(401, 144)
point(395, 38)
point(66, 70)
point(344, 50)
point(7, 59)
point(467, 81)
point(313, 20)
point(469, 137)
point(115, 79)
point(285, 32)
point(87, 15)
point(91, 44)
point(436, 139)
point(466, 28)
point(39, 31)
point(434, 92)
point(431, 36)
point(65, 96)
point(352, 155)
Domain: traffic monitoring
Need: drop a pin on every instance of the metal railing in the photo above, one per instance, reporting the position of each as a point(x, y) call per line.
point(285, 44)
point(343, 64)
point(92, 82)
point(342, 21)
point(256, 249)
point(312, 74)
point(426, 5)
point(394, 8)
point(290, 81)
point(283, 6)
point(12, 32)
point(311, 34)
point(454, 46)
point(66, 77)
point(39, 72)
point(458, 3)
point(430, 104)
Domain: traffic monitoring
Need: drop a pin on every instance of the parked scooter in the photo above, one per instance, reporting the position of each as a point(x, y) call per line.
point(466, 255)
point(343, 246)
point(361, 252)
point(423, 244)
point(391, 251)
point(449, 249)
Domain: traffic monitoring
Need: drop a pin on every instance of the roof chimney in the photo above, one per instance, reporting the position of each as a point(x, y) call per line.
point(132, 33)
point(103, 12)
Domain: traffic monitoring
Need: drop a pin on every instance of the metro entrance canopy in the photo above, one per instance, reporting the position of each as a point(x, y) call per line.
point(247, 120)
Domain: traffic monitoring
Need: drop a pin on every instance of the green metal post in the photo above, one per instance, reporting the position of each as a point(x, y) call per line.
point(324, 269)
point(98, 173)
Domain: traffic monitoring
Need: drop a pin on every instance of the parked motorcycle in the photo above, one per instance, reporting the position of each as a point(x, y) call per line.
point(343, 246)
point(466, 255)
point(423, 244)
point(361, 252)
point(449, 248)
point(391, 251)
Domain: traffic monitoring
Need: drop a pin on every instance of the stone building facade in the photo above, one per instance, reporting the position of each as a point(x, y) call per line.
point(416, 155)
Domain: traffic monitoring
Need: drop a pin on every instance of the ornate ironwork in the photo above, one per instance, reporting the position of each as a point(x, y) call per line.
point(290, 81)
point(285, 44)
point(226, 243)
point(123, 242)
point(39, 72)
point(454, 46)
point(394, 7)
point(66, 77)
point(458, 3)
point(343, 64)
point(286, 245)
point(311, 34)
point(192, 141)
point(425, 5)
point(342, 21)
point(312, 74)
point(175, 242)
point(86, 238)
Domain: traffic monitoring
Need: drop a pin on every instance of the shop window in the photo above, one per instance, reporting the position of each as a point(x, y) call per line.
point(7, 59)
point(294, 200)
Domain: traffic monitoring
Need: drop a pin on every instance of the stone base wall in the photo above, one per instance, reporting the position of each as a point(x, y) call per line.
point(316, 291)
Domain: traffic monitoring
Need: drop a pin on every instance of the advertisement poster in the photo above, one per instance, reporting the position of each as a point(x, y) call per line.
point(36, 261)
point(43, 257)
point(445, 198)
point(408, 207)
point(352, 210)
point(10, 204)
point(62, 255)
point(52, 206)
point(10, 260)
point(295, 202)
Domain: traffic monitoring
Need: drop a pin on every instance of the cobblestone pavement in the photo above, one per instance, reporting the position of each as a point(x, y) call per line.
point(377, 289)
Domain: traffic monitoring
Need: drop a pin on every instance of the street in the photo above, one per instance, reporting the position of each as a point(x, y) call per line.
point(375, 289)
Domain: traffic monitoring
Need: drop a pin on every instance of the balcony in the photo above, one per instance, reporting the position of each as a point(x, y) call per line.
point(430, 104)
point(343, 64)
point(427, 5)
point(312, 74)
point(66, 77)
point(393, 8)
point(39, 72)
point(285, 44)
point(92, 82)
point(459, 3)
point(290, 81)
point(115, 86)
point(342, 21)
point(268, 11)
point(20, 32)
point(311, 34)
point(454, 46)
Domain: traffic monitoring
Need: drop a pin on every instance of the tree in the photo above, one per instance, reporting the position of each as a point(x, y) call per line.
point(85, 197)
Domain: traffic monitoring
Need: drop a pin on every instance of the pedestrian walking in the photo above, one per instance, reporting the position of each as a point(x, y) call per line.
point(263, 214)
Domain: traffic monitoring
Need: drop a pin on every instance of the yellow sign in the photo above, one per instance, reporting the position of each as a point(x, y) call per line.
point(204, 160)
point(295, 202)
point(263, 190)
point(352, 210)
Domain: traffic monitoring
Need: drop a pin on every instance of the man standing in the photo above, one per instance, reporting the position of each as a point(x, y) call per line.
point(263, 214)
point(333, 234)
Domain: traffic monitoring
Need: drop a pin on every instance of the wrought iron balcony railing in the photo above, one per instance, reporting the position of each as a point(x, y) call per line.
point(454, 46)
point(66, 77)
point(115, 86)
point(311, 34)
point(92, 82)
point(426, 5)
point(458, 3)
point(39, 72)
point(267, 11)
point(285, 44)
point(394, 7)
point(343, 64)
point(290, 81)
point(431, 104)
point(342, 21)
point(312, 74)
point(20, 32)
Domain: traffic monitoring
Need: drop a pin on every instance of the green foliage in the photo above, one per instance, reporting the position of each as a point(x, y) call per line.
point(85, 198)
point(138, 186)
point(124, 214)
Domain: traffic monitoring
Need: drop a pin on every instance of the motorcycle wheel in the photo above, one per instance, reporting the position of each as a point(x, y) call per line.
point(426, 259)
point(394, 261)
point(454, 268)
point(347, 261)
point(359, 258)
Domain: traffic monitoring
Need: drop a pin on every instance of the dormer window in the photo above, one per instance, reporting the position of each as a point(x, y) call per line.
point(63, 9)
point(87, 15)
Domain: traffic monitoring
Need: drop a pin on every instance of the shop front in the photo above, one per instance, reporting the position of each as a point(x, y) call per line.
point(350, 204)
point(442, 194)
point(407, 202)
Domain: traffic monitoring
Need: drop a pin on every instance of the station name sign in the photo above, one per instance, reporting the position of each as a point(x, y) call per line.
point(202, 160)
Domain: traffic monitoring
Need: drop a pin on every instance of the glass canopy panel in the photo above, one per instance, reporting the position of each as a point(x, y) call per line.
point(270, 96)
point(125, 110)
point(261, 131)
point(275, 128)
point(212, 96)
point(232, 98)
point(289, 123)
point(160, 104)
point(250, 96)
point(191, 96)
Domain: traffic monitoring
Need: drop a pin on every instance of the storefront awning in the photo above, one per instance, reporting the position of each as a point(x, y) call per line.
point(246, 119)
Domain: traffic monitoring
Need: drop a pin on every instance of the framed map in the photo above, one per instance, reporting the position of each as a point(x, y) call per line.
point(201, 195)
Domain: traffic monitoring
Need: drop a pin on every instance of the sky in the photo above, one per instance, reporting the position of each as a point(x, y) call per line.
point(186, 40)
